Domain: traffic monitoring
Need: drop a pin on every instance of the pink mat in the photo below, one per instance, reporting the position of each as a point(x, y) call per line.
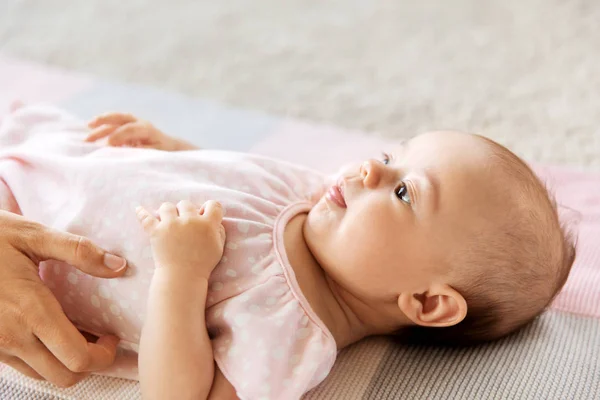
point(325, 148)
point(580, 192)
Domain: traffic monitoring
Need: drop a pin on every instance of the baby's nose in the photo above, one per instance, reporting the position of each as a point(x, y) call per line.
point(370, 172)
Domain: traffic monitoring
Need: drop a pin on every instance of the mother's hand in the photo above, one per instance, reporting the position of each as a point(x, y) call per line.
point(36, 338)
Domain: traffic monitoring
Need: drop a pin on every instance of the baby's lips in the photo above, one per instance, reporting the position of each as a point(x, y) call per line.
point(334, 194)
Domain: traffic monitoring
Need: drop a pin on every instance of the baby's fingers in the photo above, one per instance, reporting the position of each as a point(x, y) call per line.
point(213, 210)
point(222, 234)
point(101, 132)
point(148, 221)
point(129, 133)
point(167, 211)
point(112, 118)
point(187, 208)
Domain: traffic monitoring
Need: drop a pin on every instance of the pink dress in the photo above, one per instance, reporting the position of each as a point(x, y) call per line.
point(267, 340)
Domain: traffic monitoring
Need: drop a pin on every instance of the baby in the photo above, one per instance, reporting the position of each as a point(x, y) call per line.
point(267, 268)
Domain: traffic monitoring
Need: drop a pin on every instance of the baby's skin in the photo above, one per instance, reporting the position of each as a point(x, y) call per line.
point(369, 256)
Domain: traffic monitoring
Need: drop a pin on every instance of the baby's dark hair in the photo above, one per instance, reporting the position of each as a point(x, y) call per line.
point(514, 270)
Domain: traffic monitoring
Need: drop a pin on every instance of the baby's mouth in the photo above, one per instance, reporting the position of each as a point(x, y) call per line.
point(335, 194)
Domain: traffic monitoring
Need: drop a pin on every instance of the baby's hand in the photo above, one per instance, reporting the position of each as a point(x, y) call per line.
point(186, 240)
point(127, 130)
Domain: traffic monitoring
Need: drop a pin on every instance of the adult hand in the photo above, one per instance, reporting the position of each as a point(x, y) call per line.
point(36, 338)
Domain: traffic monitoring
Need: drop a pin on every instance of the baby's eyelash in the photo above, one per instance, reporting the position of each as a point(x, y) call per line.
point(386, 157)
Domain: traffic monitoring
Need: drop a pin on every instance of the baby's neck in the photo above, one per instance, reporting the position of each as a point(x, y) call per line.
point(347, 318)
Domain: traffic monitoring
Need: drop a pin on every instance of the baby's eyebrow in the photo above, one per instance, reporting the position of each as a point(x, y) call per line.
point(434, 192)
point(403, 145)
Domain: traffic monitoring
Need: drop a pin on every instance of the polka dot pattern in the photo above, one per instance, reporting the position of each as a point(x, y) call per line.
point(260, 332)
point(104, 292)
point(72, 278)
point(95, 301)
point(231, 272)
point(115, 309)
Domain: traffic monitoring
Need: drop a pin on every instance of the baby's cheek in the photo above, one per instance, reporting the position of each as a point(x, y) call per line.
point(348, 169)
point(361, 252)
point(373, 227)
point(367, 280)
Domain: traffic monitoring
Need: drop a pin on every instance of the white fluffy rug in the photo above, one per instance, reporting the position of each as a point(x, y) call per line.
point(525, 72)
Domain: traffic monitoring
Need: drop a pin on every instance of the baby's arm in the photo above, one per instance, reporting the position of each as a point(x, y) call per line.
point(176, 359)
point(127, 130)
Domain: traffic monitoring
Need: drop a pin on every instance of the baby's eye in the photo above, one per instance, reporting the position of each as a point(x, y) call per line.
point(402, 193)
point(385, 158)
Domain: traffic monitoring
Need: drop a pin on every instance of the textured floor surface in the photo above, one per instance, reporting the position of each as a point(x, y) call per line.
point(523, 72)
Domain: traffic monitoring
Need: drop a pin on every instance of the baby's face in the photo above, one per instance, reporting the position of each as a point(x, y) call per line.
point(389, 224)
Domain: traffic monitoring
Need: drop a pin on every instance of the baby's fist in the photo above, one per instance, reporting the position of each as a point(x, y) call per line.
point(185, 239)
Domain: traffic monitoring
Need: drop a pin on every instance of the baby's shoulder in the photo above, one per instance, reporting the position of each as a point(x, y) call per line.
point(265, 337)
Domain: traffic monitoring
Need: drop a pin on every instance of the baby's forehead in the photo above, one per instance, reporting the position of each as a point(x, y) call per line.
point(472, 159)
point(440, 140)
point(442, 150)
point(474, 164)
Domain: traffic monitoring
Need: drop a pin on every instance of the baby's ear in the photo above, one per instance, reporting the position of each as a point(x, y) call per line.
point(439, 306)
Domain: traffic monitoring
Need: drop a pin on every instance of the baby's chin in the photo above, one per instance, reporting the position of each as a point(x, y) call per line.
point(319, 205)
point(319, 214)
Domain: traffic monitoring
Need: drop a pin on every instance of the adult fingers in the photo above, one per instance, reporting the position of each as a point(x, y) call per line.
point(22, 367)
point(103, 352)
point(68, 345)
point(46, 243)
point(167, 211)
point(100, 132)
point(48, 367)
point(112, 118)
